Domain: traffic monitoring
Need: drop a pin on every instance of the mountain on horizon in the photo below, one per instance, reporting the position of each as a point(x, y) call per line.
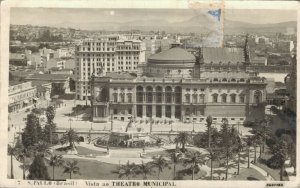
point(197, 23)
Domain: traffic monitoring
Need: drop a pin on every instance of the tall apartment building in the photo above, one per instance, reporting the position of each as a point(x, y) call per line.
point(109, 54)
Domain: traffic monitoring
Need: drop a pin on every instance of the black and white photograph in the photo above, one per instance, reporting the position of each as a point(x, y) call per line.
point(198, 93)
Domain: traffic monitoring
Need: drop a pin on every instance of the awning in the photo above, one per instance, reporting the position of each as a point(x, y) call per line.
point(26, 101)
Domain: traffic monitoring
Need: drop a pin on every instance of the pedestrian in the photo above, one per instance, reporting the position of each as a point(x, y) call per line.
point(107, 148)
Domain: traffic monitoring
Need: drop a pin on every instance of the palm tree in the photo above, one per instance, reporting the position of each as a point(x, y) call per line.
point(55, 160)
point(21, 155)
point(128, 170)
point(213, 155)
point(209, 122)
point(176, 158)
point(249, 143)
point(239, 148)
point(194, 159)
point(265, 131)
point(11, 152)
point(160, 163)
point(71, 168)
point(144, 169)
point(228, 137)
point(70, 137)
point(183, 138)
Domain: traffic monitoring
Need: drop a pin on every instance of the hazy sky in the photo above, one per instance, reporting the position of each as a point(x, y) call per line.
point(50, 16)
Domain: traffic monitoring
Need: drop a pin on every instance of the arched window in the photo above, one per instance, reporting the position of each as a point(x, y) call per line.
point(224, 80)
point(201, 100)
point(178, 94)
point(242, 98)
point(224, 98)
point(139, 93)
point(214, 98)
point(168, 96)
point(216, 79)
point(149, 94)
point(129, 97)
point(195, 99)
point(233, 80)
point(187, 98)
point(115, 96)
point(122, 96)
point(242, 80)
point(233, 98)
point(158, 94)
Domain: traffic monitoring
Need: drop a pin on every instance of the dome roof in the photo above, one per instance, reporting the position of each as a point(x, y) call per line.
point(172, 55)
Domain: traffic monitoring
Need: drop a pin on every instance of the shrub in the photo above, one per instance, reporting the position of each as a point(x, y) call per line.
point(249, 123)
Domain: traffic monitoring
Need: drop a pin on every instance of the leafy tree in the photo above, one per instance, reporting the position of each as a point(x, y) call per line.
point(176, 158)
point(128, 170)
point(144, 169)
point(70, 137)
point(209, 123)
point(41, 148)
point(71, 168)
point(38, 169)
point(280, 155)
point(183, 138)
point(55, 161)
point(50, 125)
point(194, 159)
point(32, 132)
point(160, 163)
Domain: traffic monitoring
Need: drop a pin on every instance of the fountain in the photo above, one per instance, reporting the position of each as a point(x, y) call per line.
point(130, 136)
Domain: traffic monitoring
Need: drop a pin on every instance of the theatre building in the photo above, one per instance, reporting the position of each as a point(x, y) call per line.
point(175, 85)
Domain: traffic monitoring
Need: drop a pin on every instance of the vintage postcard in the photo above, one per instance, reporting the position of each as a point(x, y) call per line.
point(149, 93)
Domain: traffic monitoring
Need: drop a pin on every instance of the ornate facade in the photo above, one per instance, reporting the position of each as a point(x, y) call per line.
point(173, 85)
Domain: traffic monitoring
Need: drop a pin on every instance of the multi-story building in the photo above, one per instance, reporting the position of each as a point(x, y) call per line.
point(110, 54)
point(173, 85)
point(21, 95)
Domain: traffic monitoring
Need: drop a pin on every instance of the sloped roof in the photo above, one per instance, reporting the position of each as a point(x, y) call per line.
point(224, 55)
point(173, 54)
point(48, 77)
point(120, 75)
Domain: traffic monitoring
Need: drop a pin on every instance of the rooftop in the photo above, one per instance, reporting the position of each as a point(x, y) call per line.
point(48, 77)
point(121, 75)
point(224, 55)
point(173, 54)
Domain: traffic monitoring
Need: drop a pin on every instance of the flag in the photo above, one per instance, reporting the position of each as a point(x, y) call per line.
point(215, 13)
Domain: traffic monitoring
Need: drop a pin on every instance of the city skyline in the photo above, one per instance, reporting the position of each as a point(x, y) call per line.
point(57, 17)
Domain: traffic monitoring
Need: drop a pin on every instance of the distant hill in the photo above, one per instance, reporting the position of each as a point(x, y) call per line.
point(238, 27)
point(199, 23)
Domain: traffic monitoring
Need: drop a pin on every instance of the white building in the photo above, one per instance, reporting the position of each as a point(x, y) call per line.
point(110, 54)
